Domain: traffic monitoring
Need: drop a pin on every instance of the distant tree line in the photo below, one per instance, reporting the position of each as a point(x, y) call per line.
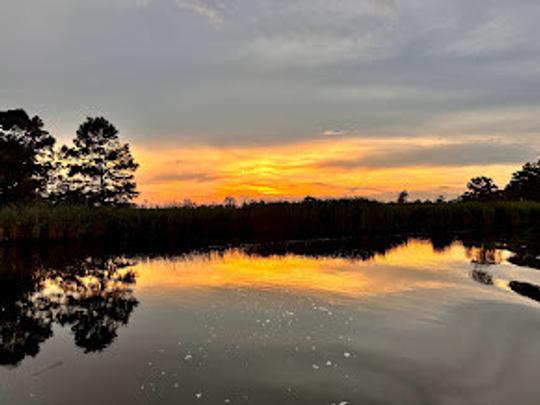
point(523, 186)
point(97, 170)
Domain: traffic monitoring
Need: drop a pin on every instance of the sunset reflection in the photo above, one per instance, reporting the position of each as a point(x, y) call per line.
point(406, 268)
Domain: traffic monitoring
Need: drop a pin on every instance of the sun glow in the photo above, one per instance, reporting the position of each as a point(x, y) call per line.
point(326, 167)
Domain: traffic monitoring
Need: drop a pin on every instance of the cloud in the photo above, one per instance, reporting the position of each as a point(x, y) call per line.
point(243, 72)
point(483, 153)
point(336, 132)
point(211, 10)
point(509, 121)
point(318, 32)
point(499, 32)
point(199, 177)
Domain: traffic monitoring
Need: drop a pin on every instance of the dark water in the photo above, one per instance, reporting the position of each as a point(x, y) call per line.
point(400, 322)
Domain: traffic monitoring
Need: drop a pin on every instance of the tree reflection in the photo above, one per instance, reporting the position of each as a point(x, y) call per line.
point(526, 259)
point(484, 255)
point(356, 249)
point(22, 329)
point(528, 290)
point(524, 247)
point(483, 277)
point(93, 297)
point(441, 242)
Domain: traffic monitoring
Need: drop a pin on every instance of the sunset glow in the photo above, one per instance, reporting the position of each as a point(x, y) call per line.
point(325, 167)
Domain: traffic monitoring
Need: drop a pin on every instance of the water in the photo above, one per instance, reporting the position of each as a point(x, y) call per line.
point(304, 323)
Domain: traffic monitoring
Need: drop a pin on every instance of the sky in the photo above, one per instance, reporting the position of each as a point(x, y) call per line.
point(279, 99)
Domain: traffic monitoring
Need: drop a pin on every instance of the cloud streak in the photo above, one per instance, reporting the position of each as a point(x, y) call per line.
point(483, 153)
point(211, 10)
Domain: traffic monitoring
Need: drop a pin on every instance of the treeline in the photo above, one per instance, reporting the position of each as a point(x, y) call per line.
point(523, 186)
point(97, 170)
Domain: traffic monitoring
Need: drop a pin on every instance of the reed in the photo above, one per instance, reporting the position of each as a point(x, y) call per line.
point(259, 221)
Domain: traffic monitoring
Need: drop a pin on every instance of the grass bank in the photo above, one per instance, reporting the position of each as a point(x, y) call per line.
point(258, 221)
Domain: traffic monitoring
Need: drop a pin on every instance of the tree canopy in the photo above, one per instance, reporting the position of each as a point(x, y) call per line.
point(100, 169)
point(26, 151)
point(481, 188)
point(403, 197)
point(525, 183)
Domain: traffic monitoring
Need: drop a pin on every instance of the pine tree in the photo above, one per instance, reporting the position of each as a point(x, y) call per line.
point(99, 168)
point(26, 151)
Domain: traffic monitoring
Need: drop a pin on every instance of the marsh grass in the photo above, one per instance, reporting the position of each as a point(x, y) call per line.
point(258, 221)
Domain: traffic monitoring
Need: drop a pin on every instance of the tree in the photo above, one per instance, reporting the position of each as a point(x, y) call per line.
point(403, 197)
point(229, 202)
point(26, 151)
point(525, 183)
point(481, 189)
point(99, 168)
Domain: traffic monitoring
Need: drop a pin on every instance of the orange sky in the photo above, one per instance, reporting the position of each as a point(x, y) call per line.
point(205, 174)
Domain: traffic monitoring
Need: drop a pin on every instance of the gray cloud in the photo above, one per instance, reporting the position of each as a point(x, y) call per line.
point(260, 71)
point(211, 10)
point(178, 177)
point(459, 154)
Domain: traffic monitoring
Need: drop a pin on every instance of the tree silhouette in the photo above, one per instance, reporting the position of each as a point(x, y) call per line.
point(481, 189)
point(229, 202)
point(403, 197)
point(100, 169)
point(26, 151)
point(440, 199)
point(525, 183)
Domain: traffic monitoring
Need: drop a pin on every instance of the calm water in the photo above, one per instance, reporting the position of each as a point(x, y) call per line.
point(319, 323)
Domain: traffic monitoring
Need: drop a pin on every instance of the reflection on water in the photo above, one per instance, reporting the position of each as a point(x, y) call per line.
point(526, 289)
point(484, 256)
point(393, 321)
point(329, 277)
point(93, 297)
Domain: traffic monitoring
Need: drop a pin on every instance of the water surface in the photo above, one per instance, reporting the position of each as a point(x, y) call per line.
point(304, 323)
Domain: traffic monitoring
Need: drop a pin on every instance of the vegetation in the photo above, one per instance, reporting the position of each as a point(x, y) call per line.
point(98, 170)
point(25, 157)
point(403, 197)
point(481, 189)
point(525, 183)
point(98, 167)
point(524, 186)
point(259, 221)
